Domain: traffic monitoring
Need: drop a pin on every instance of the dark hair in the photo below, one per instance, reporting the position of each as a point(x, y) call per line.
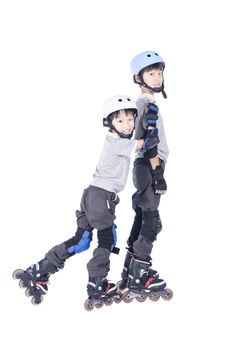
point(127, 112)
point(151, 67)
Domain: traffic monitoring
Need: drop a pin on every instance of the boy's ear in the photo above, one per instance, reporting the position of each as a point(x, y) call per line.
point(136, 78)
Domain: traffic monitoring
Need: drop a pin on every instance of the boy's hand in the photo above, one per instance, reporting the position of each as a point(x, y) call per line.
point(159, 181)
point(139, 144)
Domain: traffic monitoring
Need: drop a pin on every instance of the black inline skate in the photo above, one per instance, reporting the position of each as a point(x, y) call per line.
point(123, 284)
point(35, 279)
point(101, 292)
point(143, 283)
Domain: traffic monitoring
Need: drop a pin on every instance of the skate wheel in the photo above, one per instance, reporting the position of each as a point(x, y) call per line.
point(22, 284)
point(108, 302)
point(118, 300)
point(141, 298)
point(126, 298)
point(99, 305)
point(28, 293)
point(88, 305)
point(35, 301)
point(168, 294)
point(154, 297)
point(16, 274)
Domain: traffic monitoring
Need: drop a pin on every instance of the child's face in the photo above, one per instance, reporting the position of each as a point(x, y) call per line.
point(124, 123)
point(154, 78)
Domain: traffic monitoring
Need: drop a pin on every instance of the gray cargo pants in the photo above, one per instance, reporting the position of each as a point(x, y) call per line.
point(97, 211)
point(147, 223)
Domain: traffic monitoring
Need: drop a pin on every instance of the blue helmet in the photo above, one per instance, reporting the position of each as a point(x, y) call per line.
point(143, 60)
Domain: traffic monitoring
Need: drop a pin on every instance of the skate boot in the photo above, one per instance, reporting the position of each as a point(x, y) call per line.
point(142, 283)
point(123, 284)
point(35, 279)
point(101, 292)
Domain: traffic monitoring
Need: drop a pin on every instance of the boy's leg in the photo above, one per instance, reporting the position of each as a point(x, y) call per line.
point(142, 180)
point(151, 226)
point(100, 209)
point(55, 258)
point(141, 276)
point(134, 234)
point(136, 226)
point(35, 277)
point(148, 202)
point(76, 244)
point(99, 266)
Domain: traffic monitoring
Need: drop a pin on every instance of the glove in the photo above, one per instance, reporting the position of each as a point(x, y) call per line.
point(158, 178)
point(150, 116)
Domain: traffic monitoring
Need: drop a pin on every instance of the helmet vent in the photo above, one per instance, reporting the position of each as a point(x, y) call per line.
point(120, 100)
point(128, 99)
point(148, 55)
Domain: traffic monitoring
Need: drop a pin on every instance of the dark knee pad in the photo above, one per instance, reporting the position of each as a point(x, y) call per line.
point(107, 238)
point(151, 224)
point(135, 230)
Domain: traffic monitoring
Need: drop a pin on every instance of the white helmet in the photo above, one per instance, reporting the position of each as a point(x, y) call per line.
point(116, 103)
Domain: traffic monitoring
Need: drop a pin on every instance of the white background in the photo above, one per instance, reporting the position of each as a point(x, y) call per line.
point(59, 61)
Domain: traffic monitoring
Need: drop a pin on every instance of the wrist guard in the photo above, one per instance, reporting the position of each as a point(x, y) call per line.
point(150, 116)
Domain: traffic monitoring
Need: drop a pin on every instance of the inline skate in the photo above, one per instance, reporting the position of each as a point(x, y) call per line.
point(142, 283)
point(100, 293)
point(35, 279)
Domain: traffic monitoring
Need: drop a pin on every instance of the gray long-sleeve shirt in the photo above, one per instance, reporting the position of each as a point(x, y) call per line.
point(114, 163)
point(142, 102)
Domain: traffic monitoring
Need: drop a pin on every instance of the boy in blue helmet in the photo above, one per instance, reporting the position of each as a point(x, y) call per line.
point(148, 176)
point(97, 211)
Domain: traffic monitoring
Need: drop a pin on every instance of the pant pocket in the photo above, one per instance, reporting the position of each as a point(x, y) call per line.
point(112, 201)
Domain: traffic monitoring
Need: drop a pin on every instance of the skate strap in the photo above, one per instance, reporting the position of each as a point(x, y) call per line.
point(107, 288)
point(151, 279)
point(42, 283)
point(115, 250)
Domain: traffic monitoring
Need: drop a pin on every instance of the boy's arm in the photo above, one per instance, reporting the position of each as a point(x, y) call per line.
point(157, 170)
point(138, 145)
point(150, 118)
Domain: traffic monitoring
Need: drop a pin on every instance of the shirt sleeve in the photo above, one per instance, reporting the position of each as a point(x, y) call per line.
point(139, 129)
point(162, 146)
point(124, 147)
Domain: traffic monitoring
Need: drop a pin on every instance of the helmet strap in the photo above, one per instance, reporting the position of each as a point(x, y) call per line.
point(108, 123)
point(142, 82)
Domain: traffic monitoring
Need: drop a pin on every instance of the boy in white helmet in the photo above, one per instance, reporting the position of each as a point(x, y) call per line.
point(97, 211)
point(148, 176)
